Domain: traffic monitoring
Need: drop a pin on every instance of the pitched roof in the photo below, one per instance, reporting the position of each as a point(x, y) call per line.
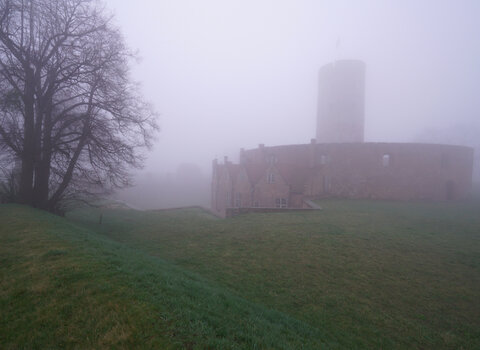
point(229, 169)
point(233, 170)
point(294, 175)
point(255, 172)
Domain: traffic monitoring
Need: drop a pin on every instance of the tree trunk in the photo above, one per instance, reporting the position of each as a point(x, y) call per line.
point(28, 153)
point(53, 201)
point(44, 158)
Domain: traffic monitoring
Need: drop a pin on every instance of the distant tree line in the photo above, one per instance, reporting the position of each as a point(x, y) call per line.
point(71, 120)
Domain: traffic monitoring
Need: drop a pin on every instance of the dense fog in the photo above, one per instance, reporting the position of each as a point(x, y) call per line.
point(226, 75)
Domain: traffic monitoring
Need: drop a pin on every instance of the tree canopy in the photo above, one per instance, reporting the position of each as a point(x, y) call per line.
point(70, 116)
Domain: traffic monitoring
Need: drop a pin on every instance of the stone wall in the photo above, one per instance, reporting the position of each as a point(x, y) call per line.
point(230, 212)
point(377, 170)
point(394, 171)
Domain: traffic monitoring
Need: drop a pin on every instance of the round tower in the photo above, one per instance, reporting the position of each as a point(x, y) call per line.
point(341, 102)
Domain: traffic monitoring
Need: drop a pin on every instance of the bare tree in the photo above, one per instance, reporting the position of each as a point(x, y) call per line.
point(69, 110)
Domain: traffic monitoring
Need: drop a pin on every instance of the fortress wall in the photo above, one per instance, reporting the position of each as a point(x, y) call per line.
point(359, 170)
point(289, 154)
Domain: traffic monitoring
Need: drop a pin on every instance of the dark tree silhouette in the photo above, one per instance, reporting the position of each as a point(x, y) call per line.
point(69, 111)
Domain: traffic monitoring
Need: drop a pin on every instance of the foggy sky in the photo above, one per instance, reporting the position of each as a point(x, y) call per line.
point(231, 74)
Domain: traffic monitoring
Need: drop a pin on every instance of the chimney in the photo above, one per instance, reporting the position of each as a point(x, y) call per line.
point(312, 151)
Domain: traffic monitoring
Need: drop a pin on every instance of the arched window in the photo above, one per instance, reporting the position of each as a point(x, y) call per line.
point(323, 159)
point(445, 161)
point(386, 160)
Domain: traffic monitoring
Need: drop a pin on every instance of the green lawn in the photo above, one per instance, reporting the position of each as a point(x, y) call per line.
point(367, 274)
point(62, 286)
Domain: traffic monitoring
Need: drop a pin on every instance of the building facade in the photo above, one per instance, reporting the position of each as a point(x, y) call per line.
point(338, 163)
point(287, 176)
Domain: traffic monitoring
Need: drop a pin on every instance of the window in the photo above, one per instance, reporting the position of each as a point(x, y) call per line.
point(386, 160)
point(280, 202)
point(445, 161)
point(255, 204)
point(271, 178)
point(238, 200)
point(271, 159)
point(326, 184)
point(323, 159)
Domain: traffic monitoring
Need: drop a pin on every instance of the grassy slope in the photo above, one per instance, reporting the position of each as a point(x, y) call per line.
point(370, 274)
point(62, 286)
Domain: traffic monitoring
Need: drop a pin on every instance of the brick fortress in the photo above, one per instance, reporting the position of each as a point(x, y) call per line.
point(338, 163)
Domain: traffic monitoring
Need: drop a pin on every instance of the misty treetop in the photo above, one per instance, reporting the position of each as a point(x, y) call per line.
point(71, 119)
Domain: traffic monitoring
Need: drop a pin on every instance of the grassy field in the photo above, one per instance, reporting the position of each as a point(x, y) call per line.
point(62, 286)
point(367, 274)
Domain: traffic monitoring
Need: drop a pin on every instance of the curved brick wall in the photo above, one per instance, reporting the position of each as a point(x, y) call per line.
point(400, 171)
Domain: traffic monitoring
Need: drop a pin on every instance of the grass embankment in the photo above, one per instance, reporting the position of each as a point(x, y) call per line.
point(369, 274)
point(62, 286)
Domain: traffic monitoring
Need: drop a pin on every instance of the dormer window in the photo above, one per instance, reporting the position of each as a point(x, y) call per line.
point(271, 159)
point(271, 178)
